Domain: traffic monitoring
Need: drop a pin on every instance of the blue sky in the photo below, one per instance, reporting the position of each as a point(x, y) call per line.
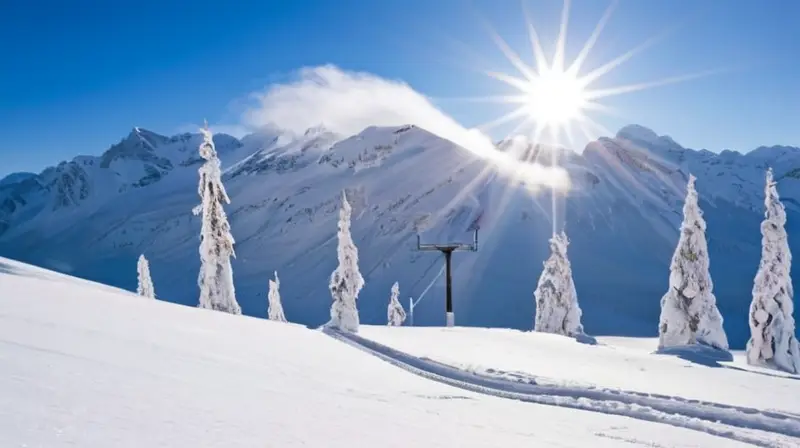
point(78, 77)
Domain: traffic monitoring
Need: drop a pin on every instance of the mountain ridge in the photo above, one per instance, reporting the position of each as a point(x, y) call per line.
point(622, 215)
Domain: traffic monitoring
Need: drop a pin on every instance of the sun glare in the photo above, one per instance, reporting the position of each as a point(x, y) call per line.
point(555, 98)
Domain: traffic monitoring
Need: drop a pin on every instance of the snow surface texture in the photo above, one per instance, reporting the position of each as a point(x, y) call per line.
point(275, 311)
point(395, 314)
point(689, 311)
point(773, 340)
point(145, 288)
point(217, 291)
point(346, 280)
point(700, 416)
point(83, 364)
point(622, 213)
point(460, 357)
point(557, 309)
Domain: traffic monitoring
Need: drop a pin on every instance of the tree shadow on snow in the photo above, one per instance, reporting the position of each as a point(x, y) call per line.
point(586, 339)
point(698, 354)
point(8, 269)
point(712, 357)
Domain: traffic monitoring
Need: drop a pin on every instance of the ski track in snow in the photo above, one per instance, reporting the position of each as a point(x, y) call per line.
point(742, 424)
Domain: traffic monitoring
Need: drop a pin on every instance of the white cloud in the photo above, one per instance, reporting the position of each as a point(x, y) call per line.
point(349, 102)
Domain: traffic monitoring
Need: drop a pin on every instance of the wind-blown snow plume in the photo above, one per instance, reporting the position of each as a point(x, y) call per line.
point(689, 311)
point(557, 309)
point(275, 308)
point(346, 280)
point(349, 102)
point(145, 288)
point(216, 242)
point(772, 339)
point(396, 315)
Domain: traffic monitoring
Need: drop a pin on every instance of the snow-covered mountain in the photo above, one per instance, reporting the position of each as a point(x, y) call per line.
point(15, 178)
point(94, 216)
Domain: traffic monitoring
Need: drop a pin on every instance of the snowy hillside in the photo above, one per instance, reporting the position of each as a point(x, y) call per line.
point(92, 217)
point(83, 364)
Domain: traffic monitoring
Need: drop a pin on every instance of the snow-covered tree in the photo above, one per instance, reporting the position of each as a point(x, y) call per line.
point(145, 288)
point(346, 281)
point(689, 311)
point(772, 333)
point(557, 309)
point(396, 315)
point(216, 242)
point(275, 308)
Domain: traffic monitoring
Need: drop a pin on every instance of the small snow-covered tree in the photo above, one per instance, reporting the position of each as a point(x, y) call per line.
point(275, 308)
point(772, 333)
point(346, 281)
point(557, 309)
point(689, 312)
point(216, 242)
point(145, 288)
point(396, 315)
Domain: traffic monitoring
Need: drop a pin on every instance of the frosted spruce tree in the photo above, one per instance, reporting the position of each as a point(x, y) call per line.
point(395, 315)
point(689, 311)
point(772, 333)
point(346, 280)
point(557, 309)
point(216, 242)
point(275, 308)
point(145, 288)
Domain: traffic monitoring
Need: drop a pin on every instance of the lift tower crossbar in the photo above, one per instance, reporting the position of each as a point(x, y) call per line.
point(447, 249)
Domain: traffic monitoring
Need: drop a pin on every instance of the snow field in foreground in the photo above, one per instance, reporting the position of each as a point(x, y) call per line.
point(86, 365)
point(621, 363)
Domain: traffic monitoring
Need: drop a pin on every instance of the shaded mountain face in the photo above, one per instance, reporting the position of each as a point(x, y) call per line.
point(93, 217)
point(15, 178)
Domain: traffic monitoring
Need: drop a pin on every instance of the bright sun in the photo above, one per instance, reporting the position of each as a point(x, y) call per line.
point(551, 97)
point(555, 98)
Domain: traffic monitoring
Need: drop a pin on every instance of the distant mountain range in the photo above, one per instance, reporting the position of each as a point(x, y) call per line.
point(93, 216)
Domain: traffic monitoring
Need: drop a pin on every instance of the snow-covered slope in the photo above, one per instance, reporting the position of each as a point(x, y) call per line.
point(83, 364)
point(93, 217)
point(556, 360)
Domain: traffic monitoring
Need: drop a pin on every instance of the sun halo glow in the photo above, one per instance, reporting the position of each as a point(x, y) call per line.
point(555, 98)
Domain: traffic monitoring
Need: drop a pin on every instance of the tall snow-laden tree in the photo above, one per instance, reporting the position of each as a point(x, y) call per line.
point(557, 309)
point(145, 288)
point(396, 315)
point(216, 242)
point(346, 281)
point(689, 311)
point(772, 333)
point(275, 308)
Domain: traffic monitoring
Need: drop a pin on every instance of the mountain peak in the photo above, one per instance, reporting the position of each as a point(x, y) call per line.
point(315, 130)
point(637, 132)
point(15, 178)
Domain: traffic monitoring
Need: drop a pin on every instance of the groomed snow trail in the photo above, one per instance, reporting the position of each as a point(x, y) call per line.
point(748, 425)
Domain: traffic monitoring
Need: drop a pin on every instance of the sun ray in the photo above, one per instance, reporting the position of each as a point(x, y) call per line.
point(612, 91)
point(561, 42)
point(595, 74)
point(553, 104)
point(568, 132)
point(512, 81)
point(512, 56)
point(501, 99)
point(536, 44)
point(576, 65)
point(513, 115)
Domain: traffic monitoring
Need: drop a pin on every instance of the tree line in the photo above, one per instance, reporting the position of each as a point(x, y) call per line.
point(689, 313)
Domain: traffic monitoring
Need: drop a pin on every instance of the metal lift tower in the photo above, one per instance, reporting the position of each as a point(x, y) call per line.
point(447, 250)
